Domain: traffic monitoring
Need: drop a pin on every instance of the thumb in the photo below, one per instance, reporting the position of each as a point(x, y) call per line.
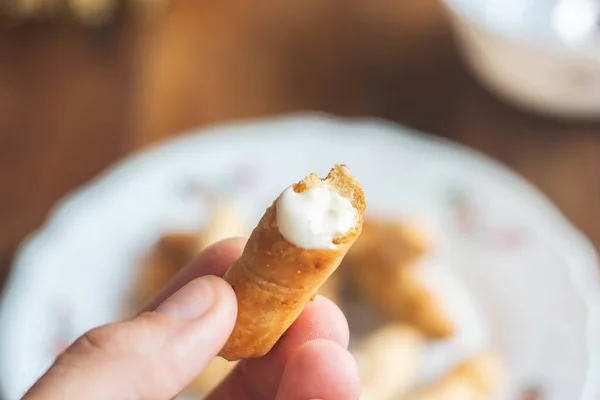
point(153, 356)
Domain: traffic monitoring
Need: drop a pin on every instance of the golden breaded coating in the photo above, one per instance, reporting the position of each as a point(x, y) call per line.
point(274, 279)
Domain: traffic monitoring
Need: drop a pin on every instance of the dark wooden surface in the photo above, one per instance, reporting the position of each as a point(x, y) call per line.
point(74, 100)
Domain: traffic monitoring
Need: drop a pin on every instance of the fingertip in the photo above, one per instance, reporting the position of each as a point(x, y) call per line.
point(225, 297)
point(326, 355)
point(214, 321)
point(320, 369)
point(321, 319)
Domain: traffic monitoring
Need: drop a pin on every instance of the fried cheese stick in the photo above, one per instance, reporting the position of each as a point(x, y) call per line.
point(298, 243)
point(474, 379)
point(383, 264)
point(388, 361)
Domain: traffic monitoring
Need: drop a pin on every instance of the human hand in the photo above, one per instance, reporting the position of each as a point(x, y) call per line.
point(158, 353)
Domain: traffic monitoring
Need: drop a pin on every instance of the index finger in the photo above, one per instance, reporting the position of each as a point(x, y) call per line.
point(213, 261)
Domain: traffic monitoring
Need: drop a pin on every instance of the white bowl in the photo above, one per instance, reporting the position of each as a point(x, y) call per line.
point(533, 275)
point(516, 48)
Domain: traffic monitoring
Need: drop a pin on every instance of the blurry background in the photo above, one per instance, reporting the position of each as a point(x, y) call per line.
point(76, 97)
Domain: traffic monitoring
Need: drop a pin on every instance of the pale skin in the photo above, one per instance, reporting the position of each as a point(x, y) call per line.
point(156, 354)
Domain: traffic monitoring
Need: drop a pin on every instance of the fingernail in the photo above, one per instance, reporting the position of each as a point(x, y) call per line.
point(191, 301)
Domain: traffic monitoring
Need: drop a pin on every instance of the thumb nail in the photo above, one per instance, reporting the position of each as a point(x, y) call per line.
point(191, 301)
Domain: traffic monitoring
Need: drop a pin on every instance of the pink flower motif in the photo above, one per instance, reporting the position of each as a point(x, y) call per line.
point(465, 213)
point(507, 238)
point(532, 393)
point(466, 219)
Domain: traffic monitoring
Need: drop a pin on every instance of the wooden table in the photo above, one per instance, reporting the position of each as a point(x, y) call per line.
point(74, 100)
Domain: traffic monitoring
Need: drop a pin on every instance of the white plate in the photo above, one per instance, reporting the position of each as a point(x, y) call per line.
point(533, 275)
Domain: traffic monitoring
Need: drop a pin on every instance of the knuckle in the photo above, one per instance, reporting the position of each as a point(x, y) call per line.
point(123, 339)
point(107, 339)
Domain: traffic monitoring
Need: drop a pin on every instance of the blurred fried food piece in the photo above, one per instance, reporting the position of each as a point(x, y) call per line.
point(384, 267)
point(389, 243)
point(225, 223)
point(171, 253)
point(175, 250)
point(389, 362)
point(214, 373)
point(474, 379)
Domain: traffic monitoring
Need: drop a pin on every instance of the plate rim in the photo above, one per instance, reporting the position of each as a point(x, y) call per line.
point(581, 258)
